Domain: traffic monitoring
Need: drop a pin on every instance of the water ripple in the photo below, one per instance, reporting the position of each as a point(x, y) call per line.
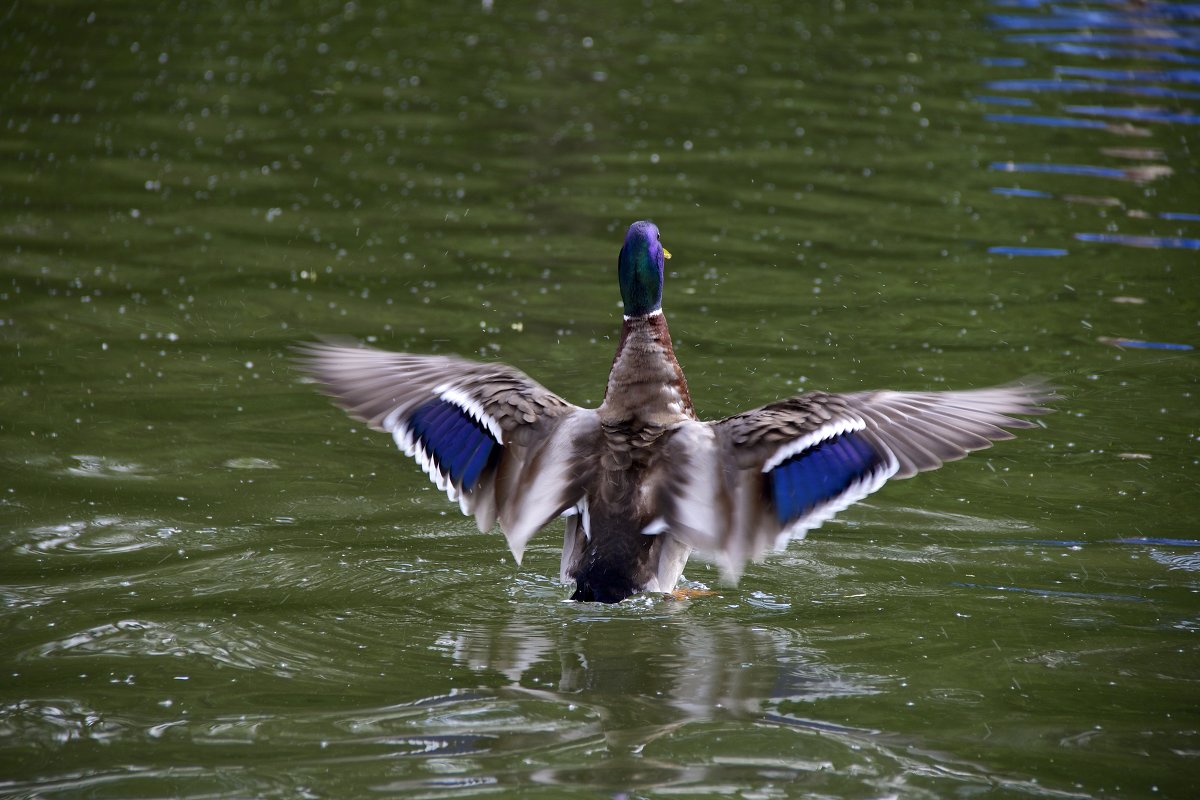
point(1028, 251)
point(1160, 540)
point(57, 720)
point(1124, 53)
point(922, 519)
point(1156, 76)
point(1139, 114)
point(90, 466)
point(1170, 242)
point(1045, 121)
point(1002, 62)
point(1155, 40)
point(1120, 341)
point(1150, 32)
point(1138, 174)
point(133, 637)
point(1016, 192)
point(97, 536)
point(1063, 19)
point(1040, 85)
point(1055, 592)
point(1189, 562)
point(1023, 102)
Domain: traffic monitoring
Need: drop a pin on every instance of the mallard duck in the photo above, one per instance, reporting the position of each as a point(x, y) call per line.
point(641, 481)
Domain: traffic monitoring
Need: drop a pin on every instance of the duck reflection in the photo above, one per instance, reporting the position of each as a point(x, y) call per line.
point(649, 671)
point(657, 696)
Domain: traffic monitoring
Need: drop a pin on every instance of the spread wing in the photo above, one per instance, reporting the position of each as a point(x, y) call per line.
point(487, 434)
point(755, 480)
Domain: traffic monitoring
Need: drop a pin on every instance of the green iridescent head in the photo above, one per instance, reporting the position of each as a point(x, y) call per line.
point(640, 269)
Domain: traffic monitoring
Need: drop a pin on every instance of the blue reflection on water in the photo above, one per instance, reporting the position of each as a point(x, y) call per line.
point(1055, 85)
point(1187, 11)
point(1124, 52)
point(1142, 114)
point(1156, 75)
point(1021, 3)
point(1065, 19)
point(1051, 122)
point(1013, 192)
point(1103, 29)
point(1003, 101)
point(1002, 62)
point(1141, 344)
point(1181, 42)
point(1171, 242)
point(1060, 169)
point(1028, 251)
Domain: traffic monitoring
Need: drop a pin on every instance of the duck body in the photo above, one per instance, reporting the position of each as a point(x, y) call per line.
point(641, 481)
point(645, 400)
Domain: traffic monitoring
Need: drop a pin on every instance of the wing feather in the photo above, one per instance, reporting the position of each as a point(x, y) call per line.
point(745, 484)
point(488, 435)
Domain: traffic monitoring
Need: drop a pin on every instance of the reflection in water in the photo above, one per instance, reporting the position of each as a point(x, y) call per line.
point(1160, 540)
point(1190, 76)
point(1127, 598)
point(1141, 114)
point(1138, 174)
point(1050, 122)
point(1022, 102)
point(1028, 251)
point(1184, 561)
point(1157, 242)
point(1015, 192)
point(1039, 85)
point(100, 535)
point(89, 466)
point(1148, 16)
point(1146, 32)
point(1120, 53)
point(657, 705)
point(704, 671)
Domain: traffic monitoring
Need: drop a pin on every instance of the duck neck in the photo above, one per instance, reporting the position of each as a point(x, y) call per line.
point(646, 382)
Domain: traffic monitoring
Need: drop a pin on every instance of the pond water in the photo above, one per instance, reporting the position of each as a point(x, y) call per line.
point(215, 584)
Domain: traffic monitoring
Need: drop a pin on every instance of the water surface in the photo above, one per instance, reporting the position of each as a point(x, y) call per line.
point(215, 584)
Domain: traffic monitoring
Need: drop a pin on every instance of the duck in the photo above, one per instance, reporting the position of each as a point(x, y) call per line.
point(641, 481)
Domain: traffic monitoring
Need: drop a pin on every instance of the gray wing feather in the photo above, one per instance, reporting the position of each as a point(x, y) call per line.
point(534, 478)
point(371, 384)
point(923, 430)
point(718, 500)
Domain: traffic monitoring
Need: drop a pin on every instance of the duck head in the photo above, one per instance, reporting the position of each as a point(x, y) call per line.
point(640, 269)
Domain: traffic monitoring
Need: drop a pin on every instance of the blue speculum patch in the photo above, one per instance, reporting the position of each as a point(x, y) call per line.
point(461, 445)
point(819, 473)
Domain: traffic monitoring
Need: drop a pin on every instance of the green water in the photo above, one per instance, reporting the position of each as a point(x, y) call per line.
point(216, 585)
